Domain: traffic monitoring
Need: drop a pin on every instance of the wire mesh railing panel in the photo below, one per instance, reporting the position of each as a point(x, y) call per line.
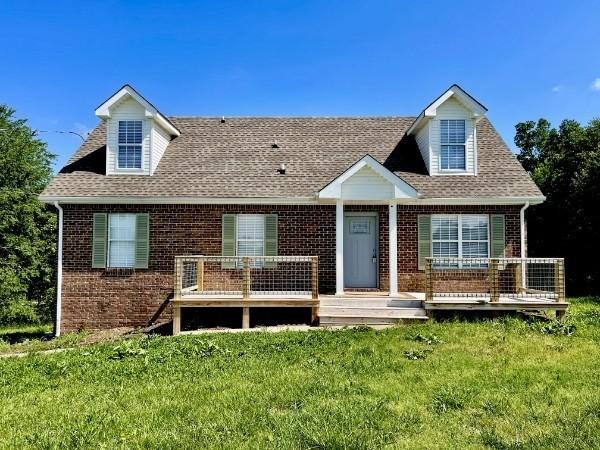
point(245, 276)
point(495, 279)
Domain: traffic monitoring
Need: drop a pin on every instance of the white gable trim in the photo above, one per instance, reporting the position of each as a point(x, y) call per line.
point(104, 110)
point(477, 110)
point(401, 189)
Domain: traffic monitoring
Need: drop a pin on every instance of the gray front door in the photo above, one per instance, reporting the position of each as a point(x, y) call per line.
point(360, 251)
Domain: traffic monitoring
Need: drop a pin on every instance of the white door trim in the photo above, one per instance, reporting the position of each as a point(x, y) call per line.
point(375, 215)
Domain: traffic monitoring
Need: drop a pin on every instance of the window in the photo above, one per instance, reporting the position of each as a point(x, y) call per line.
point(130, 144)
point(121, 240)
point(453, 142)
point(250, 236)
point(460, 236)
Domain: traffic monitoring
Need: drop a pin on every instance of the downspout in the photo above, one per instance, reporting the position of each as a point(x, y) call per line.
point(59, 269)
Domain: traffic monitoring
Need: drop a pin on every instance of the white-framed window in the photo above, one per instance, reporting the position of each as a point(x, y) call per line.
point(460, 236)
point(250, 239)
point(453, 144)
point(121, 240)
point(130, 144)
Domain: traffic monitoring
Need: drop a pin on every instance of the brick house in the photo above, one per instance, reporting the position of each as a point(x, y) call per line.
point(363, 194)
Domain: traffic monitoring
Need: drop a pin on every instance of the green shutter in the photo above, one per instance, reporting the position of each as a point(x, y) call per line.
point(424, 238)
point(228, 239)
point(99, 241)
point(142, 235)
point(271, 239)
point(498, 240)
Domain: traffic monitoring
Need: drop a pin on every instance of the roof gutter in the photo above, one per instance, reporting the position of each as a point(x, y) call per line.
point(59, 269)
point(107, 200)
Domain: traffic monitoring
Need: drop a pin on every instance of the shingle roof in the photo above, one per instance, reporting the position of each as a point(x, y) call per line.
point(236, 159)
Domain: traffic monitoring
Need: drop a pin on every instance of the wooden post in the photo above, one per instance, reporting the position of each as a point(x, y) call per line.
point(176, 319)
point(314, 285)
point(559, 279)
point(200, 275)
point(519, 277)
point(428, 280)
point(177, 280)
point(246, 285)
point(493, 280)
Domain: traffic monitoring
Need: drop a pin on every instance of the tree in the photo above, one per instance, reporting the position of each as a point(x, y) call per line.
point(565, 164)
point(27, 227)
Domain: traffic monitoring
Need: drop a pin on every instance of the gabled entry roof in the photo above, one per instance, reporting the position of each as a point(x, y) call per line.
point(368, 179)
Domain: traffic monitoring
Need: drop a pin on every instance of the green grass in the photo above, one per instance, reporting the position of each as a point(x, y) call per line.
point(501, 384)
point(30, 338)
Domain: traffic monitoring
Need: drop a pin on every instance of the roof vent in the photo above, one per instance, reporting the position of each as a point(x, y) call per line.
point(281, 169)
point(275, 144)
point(222, 119)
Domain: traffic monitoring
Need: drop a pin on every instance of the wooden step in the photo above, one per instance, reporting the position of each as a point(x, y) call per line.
point(377, 311)
point(370, 302)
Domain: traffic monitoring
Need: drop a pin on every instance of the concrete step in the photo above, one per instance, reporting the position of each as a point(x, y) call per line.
point(370, 302)
point(373, 311)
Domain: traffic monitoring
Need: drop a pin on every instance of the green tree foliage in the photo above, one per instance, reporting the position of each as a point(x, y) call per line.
point(27, 227)
point(565, 164)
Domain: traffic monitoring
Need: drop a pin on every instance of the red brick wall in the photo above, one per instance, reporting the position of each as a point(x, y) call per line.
point(96, 298)
point(410, 278)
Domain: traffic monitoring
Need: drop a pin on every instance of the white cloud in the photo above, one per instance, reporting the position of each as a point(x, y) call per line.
point(595, 86)
point(557, 88)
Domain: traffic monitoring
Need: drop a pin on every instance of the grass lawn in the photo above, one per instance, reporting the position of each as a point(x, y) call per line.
point(503, 384)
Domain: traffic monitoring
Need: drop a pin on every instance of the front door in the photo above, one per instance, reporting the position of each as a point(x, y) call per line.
point(360, 251)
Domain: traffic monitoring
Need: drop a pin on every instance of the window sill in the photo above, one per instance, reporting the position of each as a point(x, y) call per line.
point(118, 271)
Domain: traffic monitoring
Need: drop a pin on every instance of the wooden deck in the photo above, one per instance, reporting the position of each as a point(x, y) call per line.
point(292, 282)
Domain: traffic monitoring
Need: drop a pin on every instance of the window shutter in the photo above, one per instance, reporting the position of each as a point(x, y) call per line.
point(142, 235)
point(228, 239)
point(424, 238)
point(99, 241)
point(271, 239)
point(497, 232)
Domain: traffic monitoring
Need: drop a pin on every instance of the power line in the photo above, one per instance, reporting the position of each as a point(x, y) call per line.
point(62, 132)
point(4, 130)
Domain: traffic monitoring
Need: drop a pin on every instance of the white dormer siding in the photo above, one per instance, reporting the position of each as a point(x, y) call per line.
point(454, 107)
point(127, 105)
point(159, 139)
point(453, 110)
point(128, 109)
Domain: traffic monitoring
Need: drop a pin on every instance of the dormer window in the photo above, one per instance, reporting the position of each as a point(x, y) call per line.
point(453, 140)
point(453, 145)
point(130, 144)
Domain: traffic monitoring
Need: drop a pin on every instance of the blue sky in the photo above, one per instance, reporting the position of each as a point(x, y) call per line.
point(523, 60)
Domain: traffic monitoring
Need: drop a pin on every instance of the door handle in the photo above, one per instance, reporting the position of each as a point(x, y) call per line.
point(374, 257)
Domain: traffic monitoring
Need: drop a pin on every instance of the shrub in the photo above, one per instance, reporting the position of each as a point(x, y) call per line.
point(18, 312)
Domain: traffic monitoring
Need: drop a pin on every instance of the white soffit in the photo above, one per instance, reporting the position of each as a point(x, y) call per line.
point(400, 188)
point(103, 111)
point(478, 111)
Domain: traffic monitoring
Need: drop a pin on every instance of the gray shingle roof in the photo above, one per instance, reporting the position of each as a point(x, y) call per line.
point(236, 159)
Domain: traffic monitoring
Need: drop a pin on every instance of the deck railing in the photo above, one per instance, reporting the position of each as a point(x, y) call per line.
point(246, 277)
point(495, 279)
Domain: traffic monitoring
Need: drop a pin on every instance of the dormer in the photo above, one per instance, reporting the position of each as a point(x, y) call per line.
point(446, 134)
point(137, 134)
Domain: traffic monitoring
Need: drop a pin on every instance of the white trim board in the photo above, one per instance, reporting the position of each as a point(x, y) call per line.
point(107, 200)
point(104, 110)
